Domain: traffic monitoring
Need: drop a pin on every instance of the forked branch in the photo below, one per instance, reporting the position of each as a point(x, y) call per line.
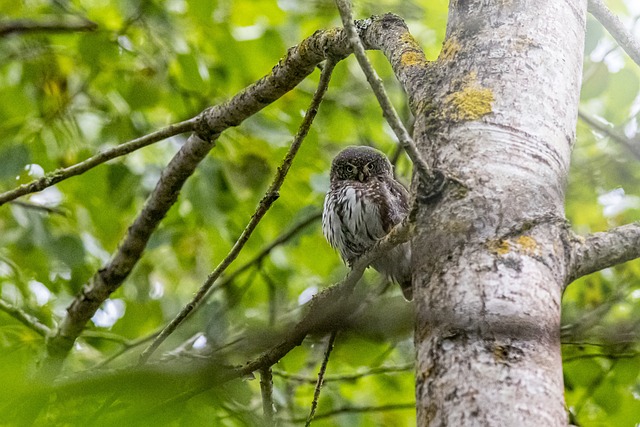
point(387, 33)
point(268, 199)
point(327, 309)
point(389, 112)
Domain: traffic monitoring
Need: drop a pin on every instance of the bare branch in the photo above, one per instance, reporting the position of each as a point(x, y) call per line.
point(361, 409)
point(617, 30)
point(268, 199)
point(601, 250)
point(388, 111)
point(266, 390)
point(320, 381)
point(26, 319)
point(79, 168)
point(37, 207)
point(299, 62)
point(329, 308)
point(610, 356)
point(126, 346)
point(264, 252)
point(347, 377)
point(47, 25)
point(632, 146)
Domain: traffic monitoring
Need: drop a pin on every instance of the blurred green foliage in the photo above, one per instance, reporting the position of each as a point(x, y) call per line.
point(65, 96)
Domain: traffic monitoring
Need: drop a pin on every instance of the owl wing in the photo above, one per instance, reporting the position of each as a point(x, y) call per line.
point(396, 206)
point(397, 262)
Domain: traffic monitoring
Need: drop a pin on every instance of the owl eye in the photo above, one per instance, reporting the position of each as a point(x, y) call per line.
point(351, 168)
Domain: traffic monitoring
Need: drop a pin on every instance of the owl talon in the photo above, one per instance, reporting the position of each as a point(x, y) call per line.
point(428, 191)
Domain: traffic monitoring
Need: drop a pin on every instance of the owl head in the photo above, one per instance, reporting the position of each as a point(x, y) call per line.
point(359, 163)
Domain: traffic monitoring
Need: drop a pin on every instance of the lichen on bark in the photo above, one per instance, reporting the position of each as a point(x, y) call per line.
point(470, 102)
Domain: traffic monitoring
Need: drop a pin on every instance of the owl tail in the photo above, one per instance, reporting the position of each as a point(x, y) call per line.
point(407, 289)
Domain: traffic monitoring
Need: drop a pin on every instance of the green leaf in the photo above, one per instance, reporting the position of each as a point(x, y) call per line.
point(12, 161)
point(596, 81)
point(69, 249)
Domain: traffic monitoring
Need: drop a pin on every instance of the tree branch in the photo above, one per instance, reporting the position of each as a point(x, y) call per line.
point(388, 111)
point(266, 390)
point(26, 319)
point(360, 410)
point(79, 168)
point(269, 198)
point(329, 308)
point(610, 356)
point(617, 30)
point(320, 381)
point(126, 346)
point(37, 207)
point(47, 25)
point(632, 146)
point(605, 249)
point(299, 62)
point(264, 252)
point(347, 377)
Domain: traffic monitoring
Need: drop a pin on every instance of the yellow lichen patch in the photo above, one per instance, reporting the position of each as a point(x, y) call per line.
point(500, 353)
point(470, 102)
point(408, 39)
point(411, 58)
point(450, 49)
point(523, 244)
point(528, 245)
point(499, 247)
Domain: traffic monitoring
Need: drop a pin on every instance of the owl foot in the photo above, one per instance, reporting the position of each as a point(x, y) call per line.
point(431, 188)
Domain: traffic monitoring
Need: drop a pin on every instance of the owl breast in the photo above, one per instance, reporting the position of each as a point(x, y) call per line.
point(356, 215)
point(352, 220)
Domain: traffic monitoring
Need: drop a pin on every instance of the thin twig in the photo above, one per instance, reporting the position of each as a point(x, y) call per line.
point(332, 304)
point(266, 390)
point(46, 25)
point(328, 307)
point(126, 346)
point(270, 196)
point(283, 238)
point(616, 28)
point(632, 146)
point(323, 369)
point(37, 207)
point(347, 377)
point(600, 344)
point(612, 356)
point(128, 147)
point(107, 336)
point(299, 62)
point(389, 112)
point(360, 410)
point(26, 319)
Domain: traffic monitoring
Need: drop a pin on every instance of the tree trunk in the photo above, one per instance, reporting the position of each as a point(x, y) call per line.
point(491, 255)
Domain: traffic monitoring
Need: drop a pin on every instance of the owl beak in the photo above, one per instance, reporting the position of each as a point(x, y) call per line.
point(361, 176)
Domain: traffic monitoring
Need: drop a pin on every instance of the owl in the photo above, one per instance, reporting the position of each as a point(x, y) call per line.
point(362, 205)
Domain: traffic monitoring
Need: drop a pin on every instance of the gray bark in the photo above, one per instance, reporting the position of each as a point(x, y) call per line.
point(493, 253)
